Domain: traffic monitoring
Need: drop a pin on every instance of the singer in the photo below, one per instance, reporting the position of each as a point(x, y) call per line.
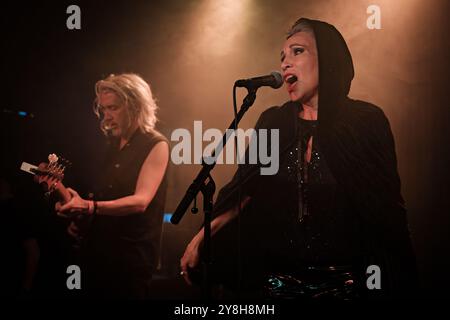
point(120, 248)
point(333, 209)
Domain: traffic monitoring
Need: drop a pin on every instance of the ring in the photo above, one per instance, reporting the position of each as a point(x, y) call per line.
point(182, 273)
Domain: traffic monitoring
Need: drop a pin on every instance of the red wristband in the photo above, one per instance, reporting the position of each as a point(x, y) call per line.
point(90, 207)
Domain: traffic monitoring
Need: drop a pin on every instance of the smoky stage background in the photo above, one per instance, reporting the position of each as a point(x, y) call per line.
point(191, 52)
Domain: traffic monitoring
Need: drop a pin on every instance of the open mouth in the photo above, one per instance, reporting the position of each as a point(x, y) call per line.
point(291, 79)
point(110, 126)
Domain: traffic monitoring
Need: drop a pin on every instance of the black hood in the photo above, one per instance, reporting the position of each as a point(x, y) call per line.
point(335, 68)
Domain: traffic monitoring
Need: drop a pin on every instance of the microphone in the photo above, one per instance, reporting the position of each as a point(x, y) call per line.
point(274, 80)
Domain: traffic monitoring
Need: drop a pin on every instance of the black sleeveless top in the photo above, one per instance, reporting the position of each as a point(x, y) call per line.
point(128, 242)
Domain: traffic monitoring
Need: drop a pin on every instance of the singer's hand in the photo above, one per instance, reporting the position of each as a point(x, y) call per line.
point(190, 259)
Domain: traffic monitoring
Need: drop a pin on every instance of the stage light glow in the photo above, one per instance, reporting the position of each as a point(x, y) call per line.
point(166, 218)
point(217, 26)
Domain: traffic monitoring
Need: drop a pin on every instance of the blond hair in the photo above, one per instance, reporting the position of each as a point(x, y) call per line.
point(136, 96)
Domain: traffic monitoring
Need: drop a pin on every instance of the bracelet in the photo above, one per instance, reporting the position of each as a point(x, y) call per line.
point(90, 210)
point(95, 208)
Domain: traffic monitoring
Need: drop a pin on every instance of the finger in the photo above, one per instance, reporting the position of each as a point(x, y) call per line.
point(58, 206)
point(67, 211)
point(185, 276)
point(53, 183)
point(72, 192)
point(74, 227)
point(62, 215)
point(42, 165)
point(72, 232)
point(184, 273)
point(187, 279)
point(75, 235)
point(66, 206)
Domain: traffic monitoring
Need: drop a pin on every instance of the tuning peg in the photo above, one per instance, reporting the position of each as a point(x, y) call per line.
point(52, 158)
point(66, 162)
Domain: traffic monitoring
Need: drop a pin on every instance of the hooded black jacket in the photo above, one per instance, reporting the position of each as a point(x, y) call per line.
point(357, 142)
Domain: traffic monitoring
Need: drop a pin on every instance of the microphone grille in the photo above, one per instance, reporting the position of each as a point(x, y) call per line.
point(278, 79)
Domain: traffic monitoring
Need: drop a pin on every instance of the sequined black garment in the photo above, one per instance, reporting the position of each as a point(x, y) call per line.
point(314, 283)
point(322, 227)
point(307, 172)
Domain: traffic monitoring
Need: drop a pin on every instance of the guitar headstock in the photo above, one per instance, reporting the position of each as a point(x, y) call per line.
point(50, 173)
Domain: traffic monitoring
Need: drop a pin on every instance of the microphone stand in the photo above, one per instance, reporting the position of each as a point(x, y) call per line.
point(207, 188)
